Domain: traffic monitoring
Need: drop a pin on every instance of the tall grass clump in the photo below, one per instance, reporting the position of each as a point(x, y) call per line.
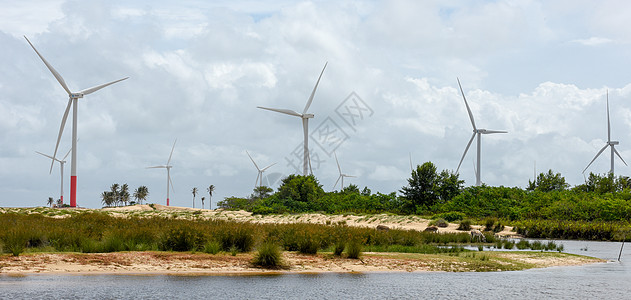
point(339, 248)
point(464, 225)
point(268, 256)
point(15, 240)
point(212, 247)
point(354, 250)
point(181, 238)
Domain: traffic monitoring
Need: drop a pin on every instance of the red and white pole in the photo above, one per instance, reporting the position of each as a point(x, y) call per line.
point(73, 162)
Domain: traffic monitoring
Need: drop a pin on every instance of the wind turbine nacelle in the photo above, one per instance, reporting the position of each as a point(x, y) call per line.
point(76, 95)
point(307, 116)
point(614, 143)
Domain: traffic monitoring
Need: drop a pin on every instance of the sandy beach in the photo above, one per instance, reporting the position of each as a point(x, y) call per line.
point(226, 264)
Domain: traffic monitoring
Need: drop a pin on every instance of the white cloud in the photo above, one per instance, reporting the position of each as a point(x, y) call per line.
point(198, 70)
point(593, 41)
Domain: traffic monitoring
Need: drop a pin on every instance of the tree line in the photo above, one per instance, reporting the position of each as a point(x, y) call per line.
point(430, 192)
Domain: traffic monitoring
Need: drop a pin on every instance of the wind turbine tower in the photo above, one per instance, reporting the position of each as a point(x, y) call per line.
point(61, 162)
point(477, 134)
point(72, 101)
point(168, 167)
point(342, 175)
point(305, 123)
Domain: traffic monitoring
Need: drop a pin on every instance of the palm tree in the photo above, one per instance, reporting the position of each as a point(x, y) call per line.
point(141, 193)
point(203, 198)
point(50, 201)
point(124, 194)
point(106, 198)
point(210, 191)
point(114, 190)
point(194, 194)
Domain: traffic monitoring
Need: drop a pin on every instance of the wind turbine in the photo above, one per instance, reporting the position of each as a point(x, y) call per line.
point(342, 175)
point(62, 162)
point(305, 122)
point(259, 177)
point(477, 132)
point(168, 167)
point(72, 101)
point(609, 143)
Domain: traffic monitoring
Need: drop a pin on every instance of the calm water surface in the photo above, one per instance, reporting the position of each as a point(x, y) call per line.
point(611, 280)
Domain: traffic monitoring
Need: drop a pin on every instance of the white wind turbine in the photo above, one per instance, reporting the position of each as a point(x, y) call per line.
point(168, 167)
point(305, 122)
point(609, 143)
point(259, 177)
point(72, 101)
point(476, 133)
point(342, 175)
point(62, 162)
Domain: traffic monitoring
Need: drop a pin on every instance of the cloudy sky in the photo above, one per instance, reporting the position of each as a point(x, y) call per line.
point(199, 69)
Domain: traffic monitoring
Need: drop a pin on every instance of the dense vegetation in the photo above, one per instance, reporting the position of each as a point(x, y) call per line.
point(546, 201)
point(91, 232)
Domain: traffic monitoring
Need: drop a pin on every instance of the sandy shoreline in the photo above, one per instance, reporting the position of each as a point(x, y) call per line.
point(173, 263)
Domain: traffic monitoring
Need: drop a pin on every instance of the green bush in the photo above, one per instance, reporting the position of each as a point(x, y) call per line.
point(464, 225)
point(181, 238)
point(354, 250)
point(212, 247)
point(268, 256)
point(439, 222)
point(451, 216)
point(15, 239)
point(339, 248)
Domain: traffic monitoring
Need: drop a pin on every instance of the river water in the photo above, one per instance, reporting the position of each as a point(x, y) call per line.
point(611, 280)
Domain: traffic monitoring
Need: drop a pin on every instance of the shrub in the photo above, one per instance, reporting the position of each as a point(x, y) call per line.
point(339, 248)
point(489, 223)
point(212, 247)
point(354, 250)
point(240, 237)
point(451, 216)
point(15, 239)
point(465, 225)
point(439, 222)
point(268, 256)
point(181, 238)
point(308, 245)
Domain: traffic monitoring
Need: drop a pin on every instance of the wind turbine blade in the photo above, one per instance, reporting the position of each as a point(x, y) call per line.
point(68, 152)
point(280, 110)
point(467, 105)
point(353, 176)
point(608, 123)
point(168, 161)
point(98, 87)
point(267, 167)
point(61, 130)
point(616, 151)
point(257, 167)
point(171, 182)
point(314, 90)
point(465, 152)
point(156, 167)
point(595, 157)
point(40, 153)
point(52, 70)
point(493, 131)
point(338, 180)
point(257, 179)
point(338, 163)
point(411, 168)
